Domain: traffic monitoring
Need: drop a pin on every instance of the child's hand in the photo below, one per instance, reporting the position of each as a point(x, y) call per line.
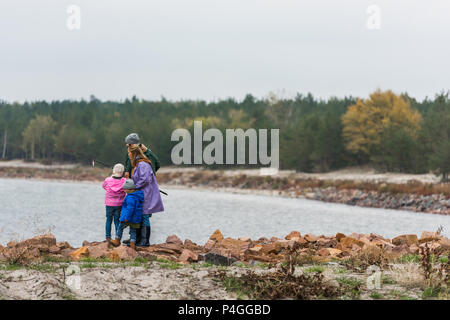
point(127, 175)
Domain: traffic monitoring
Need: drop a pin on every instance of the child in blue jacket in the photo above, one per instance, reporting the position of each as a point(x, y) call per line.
point(131, 214)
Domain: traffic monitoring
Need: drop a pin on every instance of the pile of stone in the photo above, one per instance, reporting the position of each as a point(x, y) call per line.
point(436, 203)
point(226, 251)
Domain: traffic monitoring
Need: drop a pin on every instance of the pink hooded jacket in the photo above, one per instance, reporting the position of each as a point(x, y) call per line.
point(114, 194)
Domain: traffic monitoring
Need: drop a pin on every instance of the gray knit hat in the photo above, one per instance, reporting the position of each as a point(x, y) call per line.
point(132, 138)
point(128, 184)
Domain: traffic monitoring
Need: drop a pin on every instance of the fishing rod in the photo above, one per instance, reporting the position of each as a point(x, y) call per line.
point(102, 163)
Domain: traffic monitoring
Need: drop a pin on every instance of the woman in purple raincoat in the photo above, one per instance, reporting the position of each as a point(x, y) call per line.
point(144, 179)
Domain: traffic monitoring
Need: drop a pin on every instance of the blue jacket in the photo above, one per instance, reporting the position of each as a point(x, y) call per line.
point(132, 207)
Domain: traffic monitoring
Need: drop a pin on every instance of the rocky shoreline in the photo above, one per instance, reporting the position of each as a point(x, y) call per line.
point(413, 195)
point(226, 251)
point(296, 267)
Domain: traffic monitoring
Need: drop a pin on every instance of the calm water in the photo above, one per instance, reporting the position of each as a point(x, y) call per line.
point(74, 211)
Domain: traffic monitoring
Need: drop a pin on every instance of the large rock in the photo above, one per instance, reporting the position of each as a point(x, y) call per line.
point(408, 239)
point(428, 236)
point(174, 239)
point(445, 243)
point(256, 249)
point(209, 244)
point(99, 251)
point(80, 253)
point(188, 256)
point(339, 236)
point(122, 253)
point(292, 235)
point(270, 248)
point(175, 247)
point(218, 259)
point(43, 242)
point(311, 237)
point(217, 236)
point(350, 241)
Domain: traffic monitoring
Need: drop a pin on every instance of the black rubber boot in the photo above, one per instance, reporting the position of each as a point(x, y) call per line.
point(145, 237)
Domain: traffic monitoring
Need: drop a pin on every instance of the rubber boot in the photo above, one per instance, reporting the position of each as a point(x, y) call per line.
point(145, 237)
point(139, 234)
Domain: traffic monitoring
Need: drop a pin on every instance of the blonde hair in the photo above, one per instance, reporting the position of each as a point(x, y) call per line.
point(136, 151)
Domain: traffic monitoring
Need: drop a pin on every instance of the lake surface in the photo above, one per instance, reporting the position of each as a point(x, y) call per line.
point(74, 211)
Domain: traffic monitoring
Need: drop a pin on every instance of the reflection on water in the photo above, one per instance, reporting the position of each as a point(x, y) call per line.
point(74, 211)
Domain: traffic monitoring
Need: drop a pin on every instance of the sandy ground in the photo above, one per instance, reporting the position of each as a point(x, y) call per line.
point(105, 281)
point(111, 282)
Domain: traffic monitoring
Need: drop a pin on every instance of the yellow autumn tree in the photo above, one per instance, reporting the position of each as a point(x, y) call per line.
point(365, 122)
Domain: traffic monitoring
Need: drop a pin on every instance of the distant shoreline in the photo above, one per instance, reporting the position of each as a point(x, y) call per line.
point(375, 192)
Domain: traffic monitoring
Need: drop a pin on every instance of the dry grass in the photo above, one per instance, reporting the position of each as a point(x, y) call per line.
point(407, 275)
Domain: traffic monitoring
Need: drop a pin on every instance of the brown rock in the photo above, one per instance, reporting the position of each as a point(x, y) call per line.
point(326, 242)
point(216, 236)
point(209, 244)
point(445, 243)
point(349, 242)
point(85, 243)
point(188, 243)
point(323, 252)
point(54, 249)
point(408, 239)
point(188, 256)
point(256, 249)
point(63, 245)
point(293, 234)
point(245, 239)
point(99, 250)
point(400, 250)
point(414, 249)
point(270, 248)
point(298, 240)
point(42, 242)
point(311, 237)
point(174, 239)
point(428, 236)
point(82, 252)
point(11, 244)
point(354, 235)
point(339, 236)
point(123, 253)
point(66, 252)
point(176, 247)
point(334, 252)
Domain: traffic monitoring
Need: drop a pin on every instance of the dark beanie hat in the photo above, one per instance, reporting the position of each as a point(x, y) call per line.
point(132, 138)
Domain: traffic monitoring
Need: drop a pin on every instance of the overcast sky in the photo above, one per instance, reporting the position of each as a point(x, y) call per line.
point(211, 49)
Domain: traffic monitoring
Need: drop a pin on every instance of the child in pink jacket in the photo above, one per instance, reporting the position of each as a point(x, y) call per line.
point(113, 198)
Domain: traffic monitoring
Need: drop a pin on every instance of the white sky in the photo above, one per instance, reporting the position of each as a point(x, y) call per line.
point(211, 49)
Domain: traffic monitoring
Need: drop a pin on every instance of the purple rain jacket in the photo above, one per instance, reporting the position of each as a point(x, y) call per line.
point(144, 179)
